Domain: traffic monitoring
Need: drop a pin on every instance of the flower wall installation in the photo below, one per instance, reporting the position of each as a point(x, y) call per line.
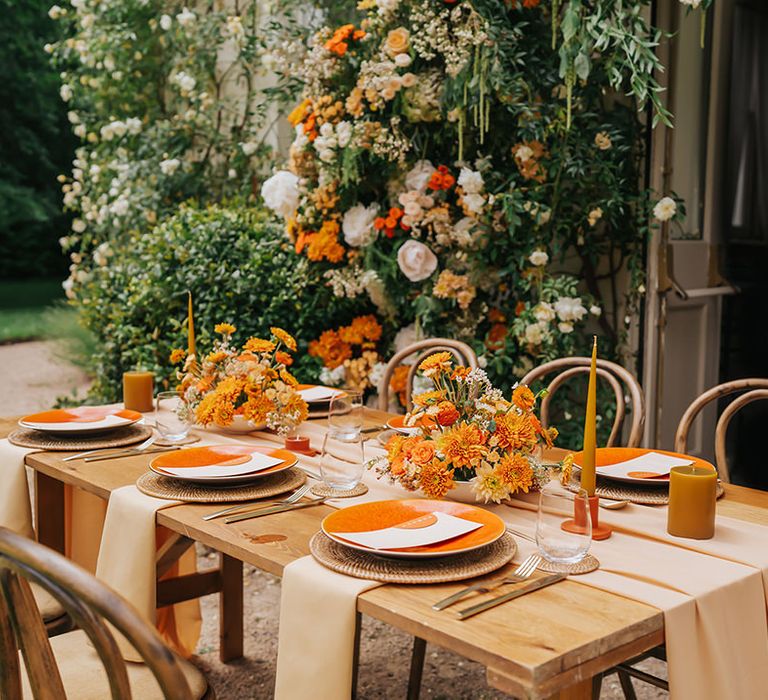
point(470, 433)
point(252, 381)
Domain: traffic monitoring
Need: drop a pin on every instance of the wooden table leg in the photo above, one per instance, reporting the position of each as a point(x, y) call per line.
point(231, 609)
point(49, 512)
point(356, 654)
point(578, 691)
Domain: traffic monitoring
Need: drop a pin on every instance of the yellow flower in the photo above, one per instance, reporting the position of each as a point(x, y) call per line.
point(437, 363)
point(566, 469)
point(428, 397)
point(259, 345)
point(515, 471)
point(284, 337)
point(514, 432)
point(523, 398)
point(436, 479)
point(489, 485)
point(397, 41)
point(216, 357)
point(288, 378)
point(177, 355)
point(224, 328)
point(463, 445)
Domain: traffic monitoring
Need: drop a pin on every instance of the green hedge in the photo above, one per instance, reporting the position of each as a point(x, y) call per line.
point(240, 269)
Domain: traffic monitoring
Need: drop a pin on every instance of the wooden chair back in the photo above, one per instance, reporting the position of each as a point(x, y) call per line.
point(463, 354)
point(89, 602)
point(618, 377)
point(755, 389)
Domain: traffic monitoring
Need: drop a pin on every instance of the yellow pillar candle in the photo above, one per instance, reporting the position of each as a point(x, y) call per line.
point(190, 326)
point(692, 501)
point(590, 429)
point(138, 391)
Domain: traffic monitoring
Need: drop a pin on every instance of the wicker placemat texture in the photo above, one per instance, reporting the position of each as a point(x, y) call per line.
point(36, 439)
point(644, 495)
point(264, 487)
point(352, 562)
point(587, 564)
point(327, 492)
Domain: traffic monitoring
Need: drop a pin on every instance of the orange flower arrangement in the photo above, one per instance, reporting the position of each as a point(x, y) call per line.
point(472, 434)
point(251, 381)
point(339, 43)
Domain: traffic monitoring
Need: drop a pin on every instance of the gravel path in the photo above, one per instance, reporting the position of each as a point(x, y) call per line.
point(33, 377)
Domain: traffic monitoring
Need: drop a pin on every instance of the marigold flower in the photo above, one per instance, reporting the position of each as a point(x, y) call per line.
point(283, 358)
point(216, 357)
point(447, 413)
point(177, 355)
point(284, 337)
point(258, 345)
point(331, 349)
point(224, 328)
point(523, 398)
point(566, 469)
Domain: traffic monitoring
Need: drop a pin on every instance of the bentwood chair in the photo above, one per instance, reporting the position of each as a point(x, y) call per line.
point(85, 664)
point(617, 377)
point(755, 389)
point(463, 354)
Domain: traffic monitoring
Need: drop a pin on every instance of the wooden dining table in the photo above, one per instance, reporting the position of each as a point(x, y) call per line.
point(550, 643)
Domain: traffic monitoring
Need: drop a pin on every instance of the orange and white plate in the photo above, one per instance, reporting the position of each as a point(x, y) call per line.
point(317, 393)
point(222, 464)
point(415, 514)
point(398, 425)
point(82, 419)
point(638, 465)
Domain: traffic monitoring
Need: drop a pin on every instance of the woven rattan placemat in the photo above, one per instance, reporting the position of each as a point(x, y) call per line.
point(644, 495)
point(264, 487)
point(327, 492)
point(130, 435)
point(352, 562)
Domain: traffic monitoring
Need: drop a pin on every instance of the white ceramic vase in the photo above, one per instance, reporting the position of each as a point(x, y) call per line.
point(462, 492)
point(240, 425)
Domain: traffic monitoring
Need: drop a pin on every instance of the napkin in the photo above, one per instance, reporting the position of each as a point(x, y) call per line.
point(318, 393)
point(649, 462)
point(15, 507)
point(427, 529)
point(127, 563)
point(316, 660)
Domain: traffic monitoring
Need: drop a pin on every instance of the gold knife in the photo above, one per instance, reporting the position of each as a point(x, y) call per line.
point(528, 588)
point(274, 509)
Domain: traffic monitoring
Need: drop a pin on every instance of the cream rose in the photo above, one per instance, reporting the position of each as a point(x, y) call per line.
point(665, 209)
point(357, 225)
point(570, 309)
point(539, 258)
point(397, 41)
point(281, 193)
point(418, 176)
point(416, 261)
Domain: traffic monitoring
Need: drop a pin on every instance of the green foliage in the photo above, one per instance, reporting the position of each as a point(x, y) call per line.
point(35, 145)
point(239, 268)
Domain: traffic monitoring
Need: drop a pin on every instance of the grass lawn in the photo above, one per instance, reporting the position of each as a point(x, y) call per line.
point(23, 308)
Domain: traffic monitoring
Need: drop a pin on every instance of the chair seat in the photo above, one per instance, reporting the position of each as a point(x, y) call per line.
point(49, 607)
point(84, 676)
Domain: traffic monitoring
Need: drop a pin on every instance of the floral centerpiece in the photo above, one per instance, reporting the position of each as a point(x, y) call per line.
point(251, 383)
point(470, 433)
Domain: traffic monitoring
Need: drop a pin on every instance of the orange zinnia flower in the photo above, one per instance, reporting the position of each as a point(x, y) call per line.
point(523, 398)
point(436, 363)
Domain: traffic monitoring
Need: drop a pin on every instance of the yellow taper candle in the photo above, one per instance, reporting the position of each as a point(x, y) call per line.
point(590, 429)
point(190, 327)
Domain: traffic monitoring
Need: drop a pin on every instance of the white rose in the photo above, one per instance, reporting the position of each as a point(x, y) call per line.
point(564, 327)
point(249, 147)
point(231, 173)
point(165, 22)
point(474, 202)
point(406, 336)
point(343, 133)
point(133, 125)
point(570, 309)
point(418, 176)
point(169, 166)
point(73, 117)
point(186, 17)
point(665, 209)
point(185, 81)
point(357, 225)
point(78, 225)
point(281, 193)
point(65, 92)
point(403, 60)
point(416, 261)
point(55, 12)
point(543, 312)
point(595, 310)
point(80, 130)
point(471, 181)
point(534, 333)
point(387, 5)
point(539, 258)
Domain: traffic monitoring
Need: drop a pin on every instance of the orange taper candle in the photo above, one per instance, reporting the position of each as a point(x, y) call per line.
point(190, 327)
point(590, 429)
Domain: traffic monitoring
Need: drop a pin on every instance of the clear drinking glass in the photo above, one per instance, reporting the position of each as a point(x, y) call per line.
point(173, 416)
point(343, 459)
point(555, 507)
point(345, 413)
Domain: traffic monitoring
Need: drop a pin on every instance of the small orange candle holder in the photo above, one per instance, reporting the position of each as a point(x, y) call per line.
point(578, 524)
point(138, 391)
point(297, 444)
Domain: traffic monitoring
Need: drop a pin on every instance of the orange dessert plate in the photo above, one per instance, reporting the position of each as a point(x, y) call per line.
point(82, 419)
point(605, 456)
point(195, 458)
point(398, 424)
point(381, 514)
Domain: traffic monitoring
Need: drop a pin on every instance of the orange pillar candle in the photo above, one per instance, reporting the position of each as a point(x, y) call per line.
point(190, 326)
point(590, 429)
point(138, 391)
point(692, 501)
